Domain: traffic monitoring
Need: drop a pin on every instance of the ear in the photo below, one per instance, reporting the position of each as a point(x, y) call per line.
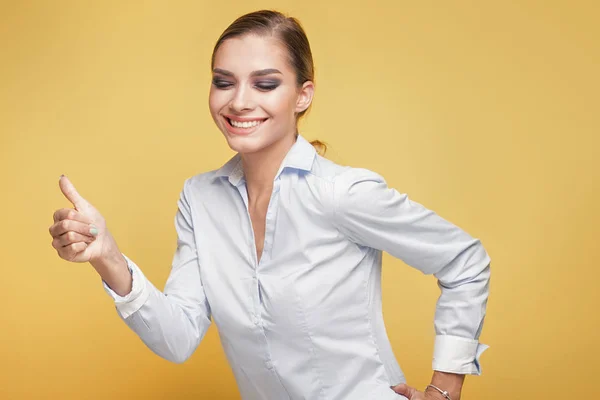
point(305, 96)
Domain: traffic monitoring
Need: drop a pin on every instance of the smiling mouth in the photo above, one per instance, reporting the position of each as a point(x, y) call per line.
point(245, 124)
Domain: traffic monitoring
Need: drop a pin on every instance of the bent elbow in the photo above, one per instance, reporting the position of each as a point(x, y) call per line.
point(472, 265)
point(176, 354)
point(180, 348)
point(180, 359)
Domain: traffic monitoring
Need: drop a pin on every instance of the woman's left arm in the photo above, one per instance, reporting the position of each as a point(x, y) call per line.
point(370, 213)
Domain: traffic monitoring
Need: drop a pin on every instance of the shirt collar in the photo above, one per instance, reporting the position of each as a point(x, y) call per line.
point(301, 157)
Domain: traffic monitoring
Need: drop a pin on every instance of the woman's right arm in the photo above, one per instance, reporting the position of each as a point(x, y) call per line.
point(171, 323)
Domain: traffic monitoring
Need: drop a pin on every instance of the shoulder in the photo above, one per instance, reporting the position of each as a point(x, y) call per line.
point(341, 175)
point(348, 186)
point(197, 187)
point(202, 179)
point(349, 180)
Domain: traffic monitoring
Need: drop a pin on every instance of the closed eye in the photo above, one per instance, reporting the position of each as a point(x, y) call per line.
point(267, 87)
point(262, 86)
point(221, 84)
point(267, 84)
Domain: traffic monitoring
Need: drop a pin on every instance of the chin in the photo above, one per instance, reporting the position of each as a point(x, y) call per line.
point(245, 144)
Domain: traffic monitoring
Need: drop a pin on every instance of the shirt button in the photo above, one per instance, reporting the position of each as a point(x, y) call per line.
point(269, 364)
point(256, 320)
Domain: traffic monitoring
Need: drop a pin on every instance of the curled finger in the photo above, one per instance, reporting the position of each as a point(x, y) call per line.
point(70, 213)
point(73, 237)
point(67, 225)
point(70, 252)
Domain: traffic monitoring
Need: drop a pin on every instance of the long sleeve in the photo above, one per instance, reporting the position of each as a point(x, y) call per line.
point(173, 322)
point(371, 214)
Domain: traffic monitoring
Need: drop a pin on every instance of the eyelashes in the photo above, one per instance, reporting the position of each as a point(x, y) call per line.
point(267, 87)
point(264, 86)
point(221, 84)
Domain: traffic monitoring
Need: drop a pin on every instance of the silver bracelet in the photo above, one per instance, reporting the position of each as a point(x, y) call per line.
point(443, 392)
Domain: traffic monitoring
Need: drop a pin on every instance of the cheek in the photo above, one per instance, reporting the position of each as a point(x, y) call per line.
point(215, 101)
point(280, 104)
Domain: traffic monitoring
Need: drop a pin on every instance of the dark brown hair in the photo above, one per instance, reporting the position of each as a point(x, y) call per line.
point(286, 30)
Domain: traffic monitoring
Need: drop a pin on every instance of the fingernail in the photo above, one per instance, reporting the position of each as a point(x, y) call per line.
point(93, 231)
point(61, 177)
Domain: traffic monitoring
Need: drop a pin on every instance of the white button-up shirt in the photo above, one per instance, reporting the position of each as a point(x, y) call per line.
point(306, 321)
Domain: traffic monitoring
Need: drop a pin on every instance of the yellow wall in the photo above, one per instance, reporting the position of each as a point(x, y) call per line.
point(486, 112)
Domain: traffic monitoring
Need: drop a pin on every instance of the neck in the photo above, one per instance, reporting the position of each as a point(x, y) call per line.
point(261, 167)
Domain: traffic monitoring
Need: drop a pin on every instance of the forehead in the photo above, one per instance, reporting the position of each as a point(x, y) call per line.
point(242, 55)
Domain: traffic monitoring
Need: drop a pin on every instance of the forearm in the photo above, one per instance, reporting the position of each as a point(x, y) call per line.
point(459, 319)
point(114, 271)
point(168, 327)
point(170, 323)
point(452, 383)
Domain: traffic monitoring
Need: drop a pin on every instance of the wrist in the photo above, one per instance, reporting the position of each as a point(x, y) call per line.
point(110, 259)
point(449, 382)
point(114, 271)
point(434, 394)
point(111, 262)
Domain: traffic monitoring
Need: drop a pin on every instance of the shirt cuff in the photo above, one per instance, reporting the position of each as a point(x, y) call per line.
point(457, 355)
point(132, 301)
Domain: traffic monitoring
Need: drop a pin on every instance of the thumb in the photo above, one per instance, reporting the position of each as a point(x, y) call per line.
point(71, 193)
point(404, 390)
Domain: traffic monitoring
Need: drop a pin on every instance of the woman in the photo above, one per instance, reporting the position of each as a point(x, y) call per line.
point(282, 247)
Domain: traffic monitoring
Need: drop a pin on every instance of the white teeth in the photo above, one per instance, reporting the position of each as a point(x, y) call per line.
point(250, 124)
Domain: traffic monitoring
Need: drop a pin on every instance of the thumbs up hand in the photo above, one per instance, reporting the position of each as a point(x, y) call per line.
point(80, 234)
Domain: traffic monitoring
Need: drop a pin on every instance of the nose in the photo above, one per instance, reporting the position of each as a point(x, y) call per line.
point(241, 100)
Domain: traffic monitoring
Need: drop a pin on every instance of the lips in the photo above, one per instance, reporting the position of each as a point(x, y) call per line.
point(242, 130)
point(229, 118)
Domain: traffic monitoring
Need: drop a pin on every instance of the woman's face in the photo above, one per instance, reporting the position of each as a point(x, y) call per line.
point(254, 97)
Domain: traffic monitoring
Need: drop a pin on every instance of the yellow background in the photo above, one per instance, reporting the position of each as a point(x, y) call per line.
point(485, 111)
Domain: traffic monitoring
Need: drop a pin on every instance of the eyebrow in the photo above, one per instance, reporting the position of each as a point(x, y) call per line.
point(261, 72)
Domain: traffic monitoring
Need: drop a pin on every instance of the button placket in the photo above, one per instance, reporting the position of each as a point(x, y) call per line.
point(257, 297)
point(270, 221)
